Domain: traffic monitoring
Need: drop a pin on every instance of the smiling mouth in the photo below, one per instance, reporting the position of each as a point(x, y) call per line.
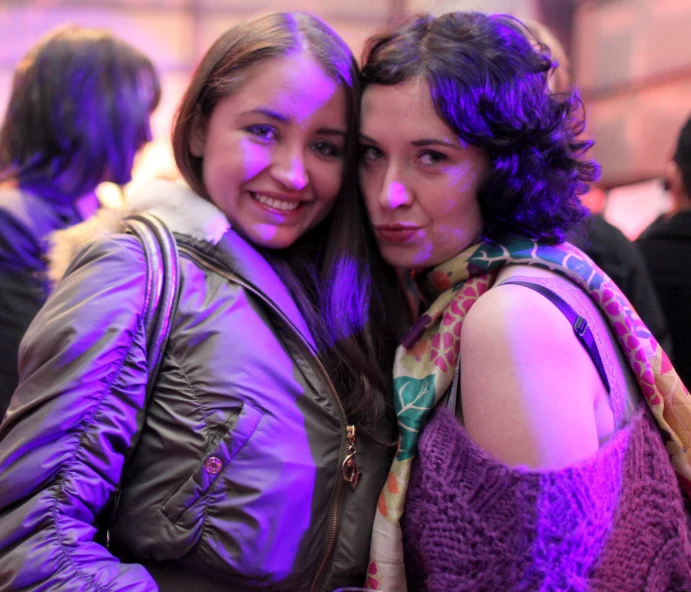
point(276, 204)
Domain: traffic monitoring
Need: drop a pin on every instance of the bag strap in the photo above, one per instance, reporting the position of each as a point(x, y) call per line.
point(160, 302)
point(163, 286)
point(580, 328)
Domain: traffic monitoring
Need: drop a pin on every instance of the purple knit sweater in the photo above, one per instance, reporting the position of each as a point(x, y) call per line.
point(615, 522)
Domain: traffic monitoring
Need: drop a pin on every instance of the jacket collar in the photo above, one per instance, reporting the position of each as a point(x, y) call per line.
point(180, 209)
point(189, 215)
point(237, 254)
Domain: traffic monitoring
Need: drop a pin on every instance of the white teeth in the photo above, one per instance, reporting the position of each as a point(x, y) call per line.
point(286, 206)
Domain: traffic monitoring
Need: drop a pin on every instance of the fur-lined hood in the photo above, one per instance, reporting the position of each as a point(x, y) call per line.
point(180, 208)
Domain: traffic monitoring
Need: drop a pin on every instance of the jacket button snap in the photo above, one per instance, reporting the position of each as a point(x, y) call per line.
point(213, 465)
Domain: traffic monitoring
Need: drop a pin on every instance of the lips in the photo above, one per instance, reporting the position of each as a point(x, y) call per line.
point(396, 233)
point(285, 206)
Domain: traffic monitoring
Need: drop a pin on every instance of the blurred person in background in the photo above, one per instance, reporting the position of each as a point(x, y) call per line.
point(666, 247)
point(78, 113)
point(603, 242)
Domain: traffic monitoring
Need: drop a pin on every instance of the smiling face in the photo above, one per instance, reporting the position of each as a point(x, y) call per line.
point(273, 150)
point(419, 180)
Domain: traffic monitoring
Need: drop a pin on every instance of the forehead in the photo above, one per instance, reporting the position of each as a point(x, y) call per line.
point(294, 85)
point(404, 109)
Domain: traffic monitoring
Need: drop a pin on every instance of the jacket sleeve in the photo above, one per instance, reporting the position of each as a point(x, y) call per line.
point(22, 292)
point(74, 416)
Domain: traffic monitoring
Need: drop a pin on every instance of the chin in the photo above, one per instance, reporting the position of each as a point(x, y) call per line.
point(275, 243)
point(399, 258)
point(399, 262)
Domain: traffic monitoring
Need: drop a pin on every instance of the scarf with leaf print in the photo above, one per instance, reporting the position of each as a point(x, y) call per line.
point(426, 360)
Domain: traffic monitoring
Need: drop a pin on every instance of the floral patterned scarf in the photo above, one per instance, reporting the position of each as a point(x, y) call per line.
point(426, 360)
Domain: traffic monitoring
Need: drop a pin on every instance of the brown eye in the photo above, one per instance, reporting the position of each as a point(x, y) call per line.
point(263, 131)
point(327, 148)
point(431, 157)
point(370, 153)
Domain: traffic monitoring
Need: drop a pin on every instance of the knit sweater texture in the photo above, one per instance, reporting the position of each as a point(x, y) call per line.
point(472, 523)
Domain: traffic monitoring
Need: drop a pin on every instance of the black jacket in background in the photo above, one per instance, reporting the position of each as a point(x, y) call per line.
point(622, 261)
point(25, 223)
point(666, 247)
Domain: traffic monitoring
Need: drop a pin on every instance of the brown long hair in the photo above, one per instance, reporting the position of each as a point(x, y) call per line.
point(348, 295)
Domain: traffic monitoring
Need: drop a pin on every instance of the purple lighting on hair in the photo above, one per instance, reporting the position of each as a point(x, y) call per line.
point(351, 318)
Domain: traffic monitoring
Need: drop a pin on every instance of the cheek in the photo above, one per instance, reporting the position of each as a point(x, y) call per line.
point(458, 218)
point(252, 158)
point(369, 186)
point(464, 177)
point(462, 183)
point(456, 214)
point(326, 180)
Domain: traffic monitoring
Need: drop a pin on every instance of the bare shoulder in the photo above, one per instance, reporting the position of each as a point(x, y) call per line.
point(510, 310)
point(527, 383)
point(513, 326)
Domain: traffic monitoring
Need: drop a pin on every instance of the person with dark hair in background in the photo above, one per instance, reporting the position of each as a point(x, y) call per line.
point(623, 262)
point(267, 434)
point(666, 247)
point(537, 413)
point(603, 242)
point(78, 113)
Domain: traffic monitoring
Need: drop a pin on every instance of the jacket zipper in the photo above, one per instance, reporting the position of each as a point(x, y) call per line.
point(349, 471)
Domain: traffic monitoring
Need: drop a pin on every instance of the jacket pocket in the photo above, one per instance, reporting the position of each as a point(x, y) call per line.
point(213, 464)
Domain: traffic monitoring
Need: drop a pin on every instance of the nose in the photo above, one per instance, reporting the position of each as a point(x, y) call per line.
point(290, 172)
point(394, 193)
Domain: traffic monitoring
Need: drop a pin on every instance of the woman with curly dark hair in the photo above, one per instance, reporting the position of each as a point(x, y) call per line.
point(533, 405)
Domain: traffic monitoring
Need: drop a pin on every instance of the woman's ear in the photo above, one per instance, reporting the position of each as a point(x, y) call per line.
point(197, 139)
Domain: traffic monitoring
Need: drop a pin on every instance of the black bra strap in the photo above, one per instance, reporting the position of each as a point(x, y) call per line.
point(452, 401)
point(579, 324)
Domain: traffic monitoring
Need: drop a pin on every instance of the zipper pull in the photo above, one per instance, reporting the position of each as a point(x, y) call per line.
point(350, 473)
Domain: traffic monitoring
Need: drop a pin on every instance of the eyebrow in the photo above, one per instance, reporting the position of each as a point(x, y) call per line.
point(434, 142)
point(420, 142)
point(331, 131)
point(270, 113)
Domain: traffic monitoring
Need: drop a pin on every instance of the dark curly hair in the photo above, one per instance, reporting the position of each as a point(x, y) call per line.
point(488, 82)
